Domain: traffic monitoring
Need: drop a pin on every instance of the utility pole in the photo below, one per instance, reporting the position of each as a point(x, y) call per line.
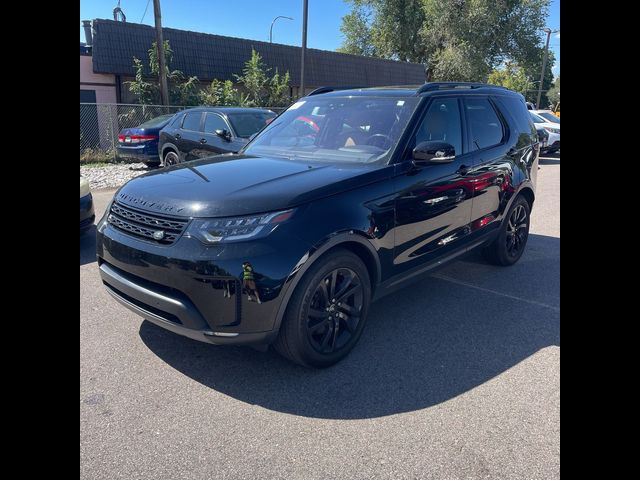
point(164, 91)
point(548, 31)
point(305, 10)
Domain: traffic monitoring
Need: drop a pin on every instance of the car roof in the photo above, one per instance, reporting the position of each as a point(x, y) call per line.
point(413, 90)
point(228, 110)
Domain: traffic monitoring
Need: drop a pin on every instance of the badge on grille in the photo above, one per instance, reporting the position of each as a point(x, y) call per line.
point(158, 234)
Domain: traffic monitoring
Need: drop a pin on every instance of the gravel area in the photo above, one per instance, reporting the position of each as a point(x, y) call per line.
point(112, 175)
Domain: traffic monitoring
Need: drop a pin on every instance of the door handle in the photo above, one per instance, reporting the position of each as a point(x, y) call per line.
point(463, 170)
point(203, 140)
point(178, 135)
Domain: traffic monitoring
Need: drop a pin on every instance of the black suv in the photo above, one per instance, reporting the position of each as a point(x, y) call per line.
point(205, 131)
point(343, 198)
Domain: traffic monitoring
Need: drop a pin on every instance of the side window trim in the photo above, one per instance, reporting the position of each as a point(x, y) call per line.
point(505, 128)
point(201, 125)
point(224, 120)
point(406, 156)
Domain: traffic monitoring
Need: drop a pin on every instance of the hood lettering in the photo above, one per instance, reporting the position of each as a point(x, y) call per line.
point(164, 207)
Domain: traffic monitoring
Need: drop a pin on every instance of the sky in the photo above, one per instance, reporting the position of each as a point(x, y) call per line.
point(252, 19)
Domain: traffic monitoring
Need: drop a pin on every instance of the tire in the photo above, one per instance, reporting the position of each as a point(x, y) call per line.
point(170, 158)
point(510, 244)
point(308, 334)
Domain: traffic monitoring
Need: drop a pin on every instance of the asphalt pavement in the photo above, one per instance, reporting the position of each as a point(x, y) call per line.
point(455, 377)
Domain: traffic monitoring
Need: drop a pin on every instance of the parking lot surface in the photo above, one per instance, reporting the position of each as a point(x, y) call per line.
point(455, 377)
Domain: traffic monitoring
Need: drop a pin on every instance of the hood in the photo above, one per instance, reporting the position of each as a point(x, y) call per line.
point(549, 125)
point(232, 185)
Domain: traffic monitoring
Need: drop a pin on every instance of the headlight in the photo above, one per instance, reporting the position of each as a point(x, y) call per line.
point(552, 130)
point(236, 229)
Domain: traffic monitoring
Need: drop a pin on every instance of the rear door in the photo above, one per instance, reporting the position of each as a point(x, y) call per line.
point(494, 152)
point(188, 138)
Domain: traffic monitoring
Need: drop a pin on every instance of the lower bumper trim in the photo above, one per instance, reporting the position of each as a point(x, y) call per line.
point(201, 334)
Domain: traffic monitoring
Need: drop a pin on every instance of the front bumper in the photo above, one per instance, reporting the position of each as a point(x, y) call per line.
point(87, 215)
point(196, 290)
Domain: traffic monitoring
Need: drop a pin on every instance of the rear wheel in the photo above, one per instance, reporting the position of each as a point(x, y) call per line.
point(171, 158)
point(327, 311)
point(509, 246)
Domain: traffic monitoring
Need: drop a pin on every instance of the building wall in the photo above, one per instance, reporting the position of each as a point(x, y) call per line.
point(103, 84)
point(104, 121)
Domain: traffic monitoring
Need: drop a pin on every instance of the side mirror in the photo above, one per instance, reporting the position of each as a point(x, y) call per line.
point(433, 152)
point(226, 134)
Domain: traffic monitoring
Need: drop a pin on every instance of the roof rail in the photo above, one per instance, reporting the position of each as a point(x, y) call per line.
point(430, 86)
point(320, 90)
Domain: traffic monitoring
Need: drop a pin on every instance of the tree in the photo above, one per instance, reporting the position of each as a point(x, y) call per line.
point(357, 33)
point(456, 39)
point(554, 93)
point(262, 90)
point(532, 70)
point(224, 94)
point(279, 90)
point(182, 90)
point(512, 77)
point(254, 79)
point(143, 90)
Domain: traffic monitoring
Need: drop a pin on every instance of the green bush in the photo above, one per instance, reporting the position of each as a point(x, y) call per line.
point(90, 155)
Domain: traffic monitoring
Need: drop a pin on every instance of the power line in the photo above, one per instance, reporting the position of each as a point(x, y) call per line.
point(145, 11)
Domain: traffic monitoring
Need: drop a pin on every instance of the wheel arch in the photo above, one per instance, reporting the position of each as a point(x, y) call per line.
point(527, 192)
point(169, 146)
point(355, 241)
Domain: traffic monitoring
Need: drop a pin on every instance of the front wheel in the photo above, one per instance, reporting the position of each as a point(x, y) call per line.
point(508, 247)
point(327, 311)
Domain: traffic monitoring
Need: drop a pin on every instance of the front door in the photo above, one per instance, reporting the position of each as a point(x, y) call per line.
point(433, 202)
point(214, 144)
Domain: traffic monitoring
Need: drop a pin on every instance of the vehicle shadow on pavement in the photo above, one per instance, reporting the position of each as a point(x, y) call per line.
point(551, 159)
point(88, 246)
point(422, 346)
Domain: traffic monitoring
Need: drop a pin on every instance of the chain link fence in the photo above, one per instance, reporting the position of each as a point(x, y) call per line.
point(101, 123)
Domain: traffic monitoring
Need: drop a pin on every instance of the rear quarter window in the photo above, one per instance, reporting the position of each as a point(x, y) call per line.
point(516, 110)
point(176, 121)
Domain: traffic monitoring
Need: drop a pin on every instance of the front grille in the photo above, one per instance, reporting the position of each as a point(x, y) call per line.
point(145, 225)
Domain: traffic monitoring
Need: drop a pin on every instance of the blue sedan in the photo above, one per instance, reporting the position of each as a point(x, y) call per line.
point(141, 143)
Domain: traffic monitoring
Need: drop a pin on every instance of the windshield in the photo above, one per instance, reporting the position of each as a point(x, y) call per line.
point(549, 116)
point(337, 129)
point(156, 122)
point(537, 118)
point(247, 123)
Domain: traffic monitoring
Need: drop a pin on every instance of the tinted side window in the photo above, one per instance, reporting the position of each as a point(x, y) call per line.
point(192, 121)
point(441, 123)
point(213, 122)
point(517, 110)
point(484, 125)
